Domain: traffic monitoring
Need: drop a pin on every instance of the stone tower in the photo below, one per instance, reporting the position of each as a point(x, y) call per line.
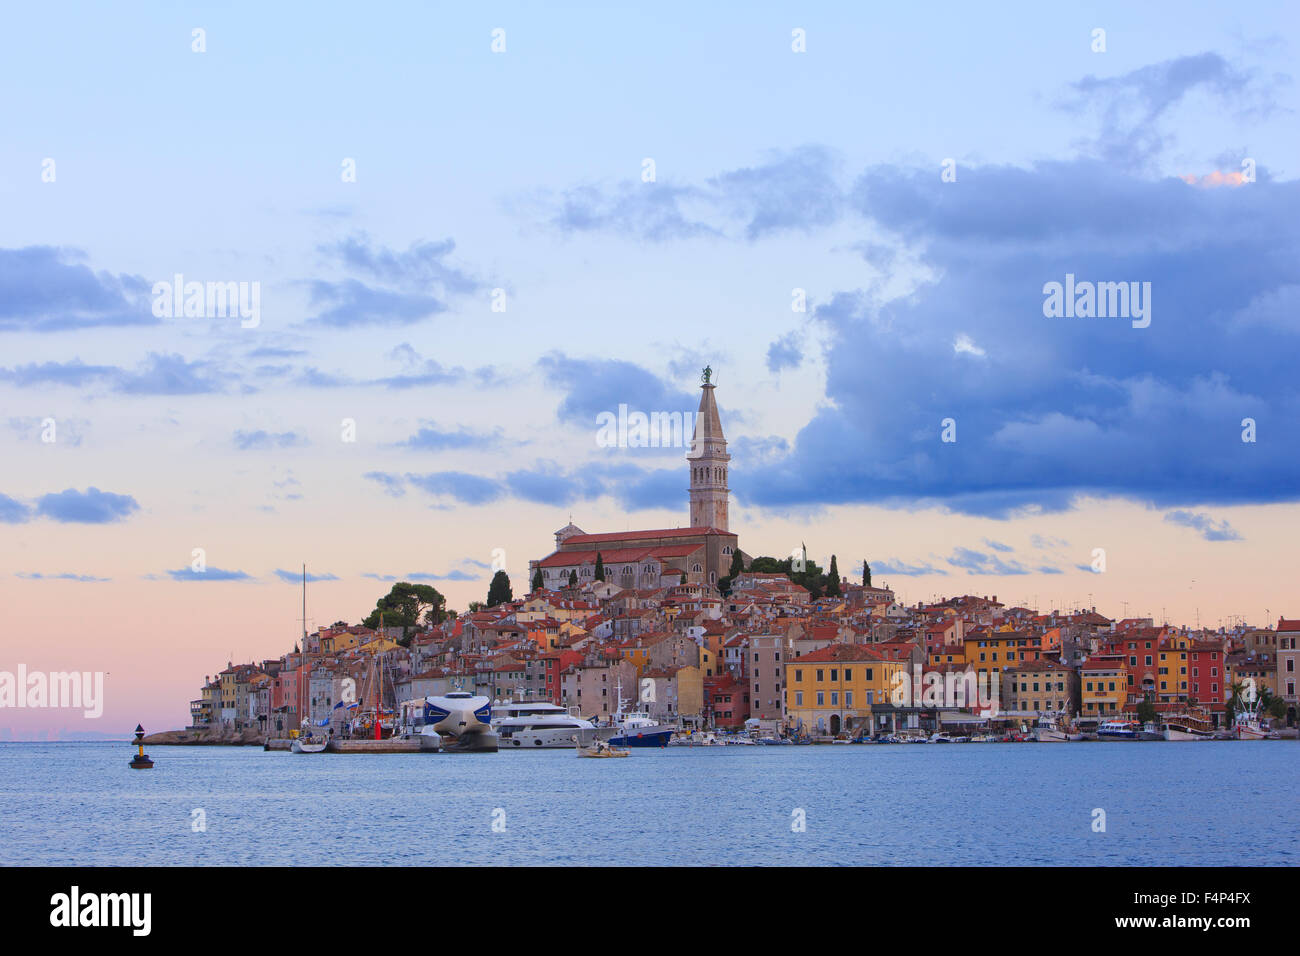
point(708, 461)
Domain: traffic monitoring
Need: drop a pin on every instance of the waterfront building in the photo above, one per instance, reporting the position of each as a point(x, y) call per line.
point(1042, 686)
point(1288, 671)
point(833, 689)
point(1104, 690)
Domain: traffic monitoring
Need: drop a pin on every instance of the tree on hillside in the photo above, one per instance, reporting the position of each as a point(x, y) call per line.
point(866, 573)
point(408, 606)
point(537, 580)
point(499, 590)
point(600, 567)
point(737, 567)
point(811, 577)
point(833, 579)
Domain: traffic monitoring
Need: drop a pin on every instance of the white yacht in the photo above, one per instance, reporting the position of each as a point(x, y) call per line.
point(538, 725)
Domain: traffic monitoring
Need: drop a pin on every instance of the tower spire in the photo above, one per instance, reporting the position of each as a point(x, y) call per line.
point(708, 460)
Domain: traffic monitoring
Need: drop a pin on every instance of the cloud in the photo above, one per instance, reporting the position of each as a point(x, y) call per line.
point(295, 577)
point(1209, 529)
point(999, 546)
point(47, 289)
point(13, 511)
point(38, 576)
point(261, 440)
point(593, 386)
point(454, 575)
point(431, 438)
point(1058, 409)
point(397, 288)
point(1130, 107)
point(91, 506)
point(978, 562)
point(784, 353)
point(393, 485)
point(794, 190)
point(904, 569)
point(210, 574)
point(463, 487)
point(158, 374)
point(75, 373)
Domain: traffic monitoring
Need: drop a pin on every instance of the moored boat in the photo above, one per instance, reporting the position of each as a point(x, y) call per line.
point(1117, 730)
point(545, 726)
point(1047, 730)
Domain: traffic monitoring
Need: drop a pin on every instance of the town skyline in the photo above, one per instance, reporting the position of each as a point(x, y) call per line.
point(1036, 301)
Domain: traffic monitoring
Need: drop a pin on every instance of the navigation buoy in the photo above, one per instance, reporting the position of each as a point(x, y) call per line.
point(141, 759)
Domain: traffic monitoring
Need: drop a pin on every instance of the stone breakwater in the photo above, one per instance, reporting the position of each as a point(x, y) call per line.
point(198, 738)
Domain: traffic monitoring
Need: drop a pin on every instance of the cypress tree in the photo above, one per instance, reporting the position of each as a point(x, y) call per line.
point(600, 567)
point(499, 590)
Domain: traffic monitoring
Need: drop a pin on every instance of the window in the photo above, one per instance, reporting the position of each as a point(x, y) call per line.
point(821, 698)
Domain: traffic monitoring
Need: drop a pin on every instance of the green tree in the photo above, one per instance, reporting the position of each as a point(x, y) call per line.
point(474, 607)
point(866, 573)
point(407, 606)
point(737, 567)
point(833, 579)
point(537, 580)
point(573, 578)
point(1270, 704)
point(1146, 711)
point(499, 590)
point(600, 567)
point(811, 577)
point(1236, 702)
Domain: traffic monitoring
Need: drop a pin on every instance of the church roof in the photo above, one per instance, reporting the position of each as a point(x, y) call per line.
point(618, 555)
point(584, 539)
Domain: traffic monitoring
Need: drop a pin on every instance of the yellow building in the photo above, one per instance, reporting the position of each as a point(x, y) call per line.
point(1104, 689)
point(992, 652)
point(1171, 675)
point(833, 689)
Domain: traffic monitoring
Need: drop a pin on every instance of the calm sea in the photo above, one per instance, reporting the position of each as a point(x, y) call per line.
point(978, 804)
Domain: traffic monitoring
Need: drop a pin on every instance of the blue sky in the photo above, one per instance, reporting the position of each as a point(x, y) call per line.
point(521, 171)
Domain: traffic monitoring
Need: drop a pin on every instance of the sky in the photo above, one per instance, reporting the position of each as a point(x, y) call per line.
point(473, 229)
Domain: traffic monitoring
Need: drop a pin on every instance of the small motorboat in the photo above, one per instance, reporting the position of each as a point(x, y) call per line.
point(600, 748)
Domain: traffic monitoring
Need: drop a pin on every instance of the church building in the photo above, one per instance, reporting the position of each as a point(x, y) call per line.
point(699, 554)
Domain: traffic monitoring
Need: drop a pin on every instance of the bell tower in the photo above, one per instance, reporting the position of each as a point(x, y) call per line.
point(708, 463)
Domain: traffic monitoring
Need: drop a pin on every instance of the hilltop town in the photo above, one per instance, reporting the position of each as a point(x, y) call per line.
point(685, 625)
point(765, 655)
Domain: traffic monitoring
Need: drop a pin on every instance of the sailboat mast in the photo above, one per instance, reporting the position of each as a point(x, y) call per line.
point(302, 655)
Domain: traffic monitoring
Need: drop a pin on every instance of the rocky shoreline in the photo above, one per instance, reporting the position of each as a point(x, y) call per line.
point(200, 738)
